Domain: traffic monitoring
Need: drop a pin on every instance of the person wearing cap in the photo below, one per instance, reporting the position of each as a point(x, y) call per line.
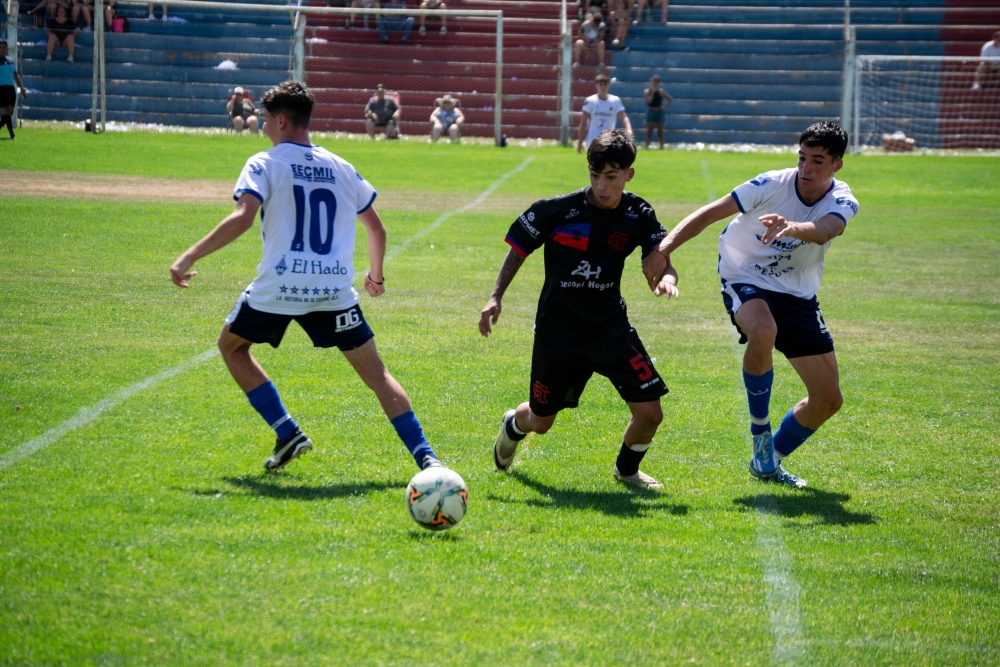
point(242, 114)
point(382, 112)
point(447, 117)
point(600, 112)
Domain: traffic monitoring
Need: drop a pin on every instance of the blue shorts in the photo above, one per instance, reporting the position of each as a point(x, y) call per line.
point(558, 378)
point(801, 329)
point(656, 115)
point(346, 329)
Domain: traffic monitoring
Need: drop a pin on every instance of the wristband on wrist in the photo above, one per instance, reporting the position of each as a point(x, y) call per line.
point(377, 282)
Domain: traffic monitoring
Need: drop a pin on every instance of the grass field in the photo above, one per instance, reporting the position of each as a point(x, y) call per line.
point(137, 525)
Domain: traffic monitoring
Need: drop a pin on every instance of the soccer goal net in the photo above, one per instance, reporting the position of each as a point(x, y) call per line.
point(938, 102)
point(179, 62)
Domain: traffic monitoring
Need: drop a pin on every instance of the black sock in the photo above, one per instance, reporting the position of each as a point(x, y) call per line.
point(629, 460)
point(8, 121)
point(511, 433)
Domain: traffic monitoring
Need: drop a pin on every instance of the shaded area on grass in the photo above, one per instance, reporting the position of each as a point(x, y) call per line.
point(827, 506)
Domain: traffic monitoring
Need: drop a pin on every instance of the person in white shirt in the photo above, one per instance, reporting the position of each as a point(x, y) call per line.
point(308, 200)
point(771, 263)
point(991, 49)
point(600, 112)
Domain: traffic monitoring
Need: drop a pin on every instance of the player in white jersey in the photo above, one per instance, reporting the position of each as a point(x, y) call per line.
point(308, 200)
point(771, 264)
point(600, 112)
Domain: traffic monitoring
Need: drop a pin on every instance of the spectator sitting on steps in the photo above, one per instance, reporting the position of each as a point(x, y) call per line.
point(242, 114)
point(447, 117)
point(394, 22)
point(62, 32)
point(592, 32)
point(382, 111)
point(433, 4)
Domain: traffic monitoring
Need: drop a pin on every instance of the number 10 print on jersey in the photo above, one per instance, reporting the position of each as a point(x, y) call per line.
point(310, 198)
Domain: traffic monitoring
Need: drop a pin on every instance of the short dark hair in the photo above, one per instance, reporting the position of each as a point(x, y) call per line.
point(292, 99)
point(602, 78)
point(611, 148)
point(826, 135)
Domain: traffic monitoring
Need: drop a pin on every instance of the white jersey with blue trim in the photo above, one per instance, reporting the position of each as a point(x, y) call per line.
point(310, 199)
point(603, 115)
point(787, 265)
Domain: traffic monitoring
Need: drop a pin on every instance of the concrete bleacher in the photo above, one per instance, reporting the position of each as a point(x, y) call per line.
point(161, 72)
point(750, 71)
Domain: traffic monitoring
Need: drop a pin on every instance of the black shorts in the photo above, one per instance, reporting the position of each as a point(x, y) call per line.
point(8, 96)
point(346, 329)
point(558, 378)
point(802, 331)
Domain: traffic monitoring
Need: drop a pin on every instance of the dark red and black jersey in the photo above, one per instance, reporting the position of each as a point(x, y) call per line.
point(585, 251)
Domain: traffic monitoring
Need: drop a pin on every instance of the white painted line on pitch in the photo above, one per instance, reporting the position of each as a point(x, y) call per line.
point(783, 591)
point(708, 180)
point(90, 413)
point(468, 207)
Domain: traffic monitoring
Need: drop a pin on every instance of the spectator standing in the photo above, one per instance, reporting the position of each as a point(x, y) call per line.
point(600, 112)
point(592, 32)
point(10, 83)
point(658, 101)
point(62, 32)
point(242, 113)
point(991, 49)
point(434, 4)
point(394, 22)
point(447, 117)
point(382, 112)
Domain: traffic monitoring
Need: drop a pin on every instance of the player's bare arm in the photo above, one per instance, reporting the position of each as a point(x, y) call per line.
point(581, 132)
point(697, 222)
point(826, 228)
point(231, 228)
point(491, 312)
point(626, 124)
point(664, 283)
point(375, 230)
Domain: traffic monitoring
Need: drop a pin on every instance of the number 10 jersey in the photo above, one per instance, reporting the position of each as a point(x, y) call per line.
point(310, 199)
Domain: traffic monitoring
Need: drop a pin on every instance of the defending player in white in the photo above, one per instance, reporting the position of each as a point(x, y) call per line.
point(771, 264)
point(308, 199)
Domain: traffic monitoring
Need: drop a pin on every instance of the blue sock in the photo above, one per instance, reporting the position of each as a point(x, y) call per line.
point(412, 434)
point(790, 435)
point(266, 401)
point(759, 397)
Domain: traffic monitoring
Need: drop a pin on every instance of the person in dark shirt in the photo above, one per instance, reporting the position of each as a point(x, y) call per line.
point(62, 32)
point(582, 326)
point(382, 112)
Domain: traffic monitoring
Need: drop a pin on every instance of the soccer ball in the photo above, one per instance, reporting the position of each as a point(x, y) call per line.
point(437, 498)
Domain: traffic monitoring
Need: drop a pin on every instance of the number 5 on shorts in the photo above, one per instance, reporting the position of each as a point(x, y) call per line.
point(639, 364)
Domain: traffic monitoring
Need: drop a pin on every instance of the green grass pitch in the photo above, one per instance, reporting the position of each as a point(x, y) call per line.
point(137, 525)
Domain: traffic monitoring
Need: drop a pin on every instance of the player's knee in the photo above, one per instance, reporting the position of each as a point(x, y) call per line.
point(761, 332)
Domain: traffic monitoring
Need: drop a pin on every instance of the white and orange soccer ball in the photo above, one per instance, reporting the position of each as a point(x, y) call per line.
point(437, 498)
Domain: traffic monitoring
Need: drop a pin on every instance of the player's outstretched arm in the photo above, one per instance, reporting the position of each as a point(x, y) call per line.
point(375, 230)
point(695, 224)
point(828, 227)
point(491, 312)
point(231, 228)
point(667, 284)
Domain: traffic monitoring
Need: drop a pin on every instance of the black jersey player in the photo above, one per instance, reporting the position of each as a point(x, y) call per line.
point(582, 326)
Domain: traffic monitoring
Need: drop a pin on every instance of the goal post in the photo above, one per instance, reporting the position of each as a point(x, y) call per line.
point(934, 100)
point(340, 66)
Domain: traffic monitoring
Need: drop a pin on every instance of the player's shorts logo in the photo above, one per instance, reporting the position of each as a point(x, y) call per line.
point(540, 392)
point(617, 241)
point(746, 289)
point(348, 320)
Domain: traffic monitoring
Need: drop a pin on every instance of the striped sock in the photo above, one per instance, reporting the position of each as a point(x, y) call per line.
point(759, 398)
point(267, 403)
point(790, 435)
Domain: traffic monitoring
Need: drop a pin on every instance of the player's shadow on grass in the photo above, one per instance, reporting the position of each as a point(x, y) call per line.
point(273, 486)
point(622, 501)
point(826, 506)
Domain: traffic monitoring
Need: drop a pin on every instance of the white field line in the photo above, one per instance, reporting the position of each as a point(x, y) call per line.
point(783, 591)
point(468, 207)
point(92, 412)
